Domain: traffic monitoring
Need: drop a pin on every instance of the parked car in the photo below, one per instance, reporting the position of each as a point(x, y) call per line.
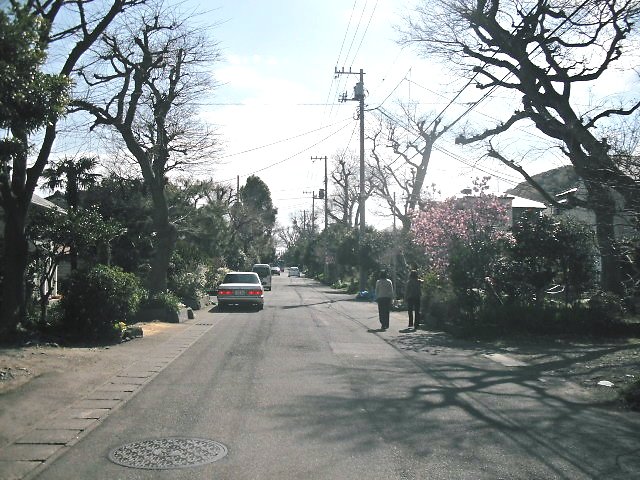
point(294, 272)
point(240, 288)
point(264, 272)
point(275, 270)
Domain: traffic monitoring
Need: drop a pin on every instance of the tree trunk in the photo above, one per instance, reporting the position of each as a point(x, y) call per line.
point(15, 270)
point(165, 240)
point(605, 208)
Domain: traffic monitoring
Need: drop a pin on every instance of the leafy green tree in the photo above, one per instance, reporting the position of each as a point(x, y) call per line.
point(29, 100)
point(32, 101)
point(53, 233)
point(199, 210)
point(126, 202)
point(73, 175)
point(254, 218)
point(546, 252)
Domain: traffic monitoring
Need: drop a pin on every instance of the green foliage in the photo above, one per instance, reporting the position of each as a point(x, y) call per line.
point(164, 300)
point(53, 233)
point(497, 285)
point(546, 251)
point(503, 320)
point(214, 277)
point(72, 174)
point(187, 273)
point(339, 285)
point(607, 306)
point(97, 299)
point(253, 220)
point(439, 302)
point(125, 202)
point(29, 98)
point(631, 395)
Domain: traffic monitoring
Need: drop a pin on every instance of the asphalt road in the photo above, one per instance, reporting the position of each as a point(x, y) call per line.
point(304, 390)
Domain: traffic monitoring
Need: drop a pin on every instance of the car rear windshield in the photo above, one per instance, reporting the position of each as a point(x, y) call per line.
point(262, 271)
point(240, 278)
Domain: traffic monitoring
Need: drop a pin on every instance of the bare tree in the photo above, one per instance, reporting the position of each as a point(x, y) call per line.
point(406, 170)
point(345, 178)
point(69, 28)
point(544, 50)
point(145, 82)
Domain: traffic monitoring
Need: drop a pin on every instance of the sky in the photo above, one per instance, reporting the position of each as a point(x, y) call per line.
point(277, 104)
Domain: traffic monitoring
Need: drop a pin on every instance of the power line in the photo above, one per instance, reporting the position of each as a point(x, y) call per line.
point(355, 34)
point(283, 140)
point(353, 9)
point(355, 55)
point(333, 80)
point(287, 158)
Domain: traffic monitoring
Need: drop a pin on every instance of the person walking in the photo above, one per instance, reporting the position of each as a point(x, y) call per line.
point(384, 297)
point(412, 294)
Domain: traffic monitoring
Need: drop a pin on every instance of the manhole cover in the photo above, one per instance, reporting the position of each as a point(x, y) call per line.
point(168, 453)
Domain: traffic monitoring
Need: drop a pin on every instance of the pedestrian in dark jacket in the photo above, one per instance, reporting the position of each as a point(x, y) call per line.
point(412, 294)
point(384, 297)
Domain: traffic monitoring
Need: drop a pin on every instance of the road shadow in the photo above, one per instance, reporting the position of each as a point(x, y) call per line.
point(464, 416)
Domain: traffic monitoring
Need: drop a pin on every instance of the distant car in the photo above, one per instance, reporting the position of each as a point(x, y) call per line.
point(275, 270)
point(240, 288)
point(264, 272)
point(294, 272)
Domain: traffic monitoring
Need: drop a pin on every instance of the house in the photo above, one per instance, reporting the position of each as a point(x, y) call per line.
point(38, 202)
point(519, 206)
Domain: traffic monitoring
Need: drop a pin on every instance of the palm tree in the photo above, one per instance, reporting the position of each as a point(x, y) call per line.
point(74, 175)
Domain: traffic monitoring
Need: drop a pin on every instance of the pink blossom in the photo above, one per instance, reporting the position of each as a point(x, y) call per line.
point(439, 224)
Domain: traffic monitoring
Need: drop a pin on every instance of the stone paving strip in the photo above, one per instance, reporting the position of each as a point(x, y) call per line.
point(26, 456)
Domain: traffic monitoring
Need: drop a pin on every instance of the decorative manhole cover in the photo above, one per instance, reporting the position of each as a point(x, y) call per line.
point(168, 453)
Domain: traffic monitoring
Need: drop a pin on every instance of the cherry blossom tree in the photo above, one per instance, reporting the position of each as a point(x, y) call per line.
point(468, 220)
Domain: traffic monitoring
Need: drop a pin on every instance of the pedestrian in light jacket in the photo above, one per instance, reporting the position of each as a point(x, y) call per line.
point(384, 297)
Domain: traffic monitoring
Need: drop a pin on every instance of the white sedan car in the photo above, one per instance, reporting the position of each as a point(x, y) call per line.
point(294, 272)
point(240, 288)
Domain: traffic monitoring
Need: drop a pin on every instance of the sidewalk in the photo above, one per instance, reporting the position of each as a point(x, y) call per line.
point(51, 397)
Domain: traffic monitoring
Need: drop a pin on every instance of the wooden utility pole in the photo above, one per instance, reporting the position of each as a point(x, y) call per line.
point(358, 96)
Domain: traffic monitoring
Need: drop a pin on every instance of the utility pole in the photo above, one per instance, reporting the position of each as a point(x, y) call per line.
point(325, 195)
point(358, 96)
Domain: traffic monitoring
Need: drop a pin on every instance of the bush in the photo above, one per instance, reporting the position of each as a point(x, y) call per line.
point(340, 285)
point(631, 395)
point(607, 305)
point(165, 301)
point(214, 277)
point(97, 300)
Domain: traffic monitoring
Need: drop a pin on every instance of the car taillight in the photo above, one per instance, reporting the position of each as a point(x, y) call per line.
point(225, 292)
point(254, 292)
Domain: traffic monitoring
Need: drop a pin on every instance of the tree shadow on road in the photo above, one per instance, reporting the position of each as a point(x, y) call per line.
point(444, 401)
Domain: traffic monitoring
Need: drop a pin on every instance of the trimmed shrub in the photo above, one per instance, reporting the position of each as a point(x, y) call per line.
point(164, 301)
point(97, 301)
